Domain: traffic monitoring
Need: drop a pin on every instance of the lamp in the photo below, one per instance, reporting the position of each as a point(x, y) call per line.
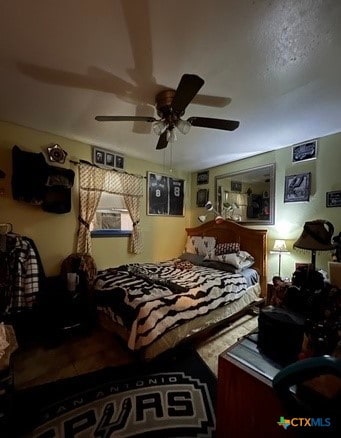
point(316, 236)
point(159, 127)
point(209, 207)
point(279, 248)
point(183, 126)
point(171, 135)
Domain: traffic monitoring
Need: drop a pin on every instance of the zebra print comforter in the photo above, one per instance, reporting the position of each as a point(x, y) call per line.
point(149, 299)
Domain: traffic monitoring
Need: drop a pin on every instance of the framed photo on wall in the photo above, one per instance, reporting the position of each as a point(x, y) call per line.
point(203, 177)
point(333, 199)
point(297, 187)
point(202, 197)
point(305, 151)
point(236, 186)
point(165, 195)
point(107, 159)
point(99, 156)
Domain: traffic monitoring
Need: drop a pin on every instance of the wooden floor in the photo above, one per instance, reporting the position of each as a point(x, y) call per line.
point(36, 364)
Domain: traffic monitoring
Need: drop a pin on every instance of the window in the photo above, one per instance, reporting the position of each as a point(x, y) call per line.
point(111, 218)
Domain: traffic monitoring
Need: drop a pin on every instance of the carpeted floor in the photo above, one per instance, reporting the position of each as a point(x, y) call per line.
point(173, 396)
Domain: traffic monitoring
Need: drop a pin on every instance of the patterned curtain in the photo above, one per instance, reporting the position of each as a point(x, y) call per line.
point(92, 182)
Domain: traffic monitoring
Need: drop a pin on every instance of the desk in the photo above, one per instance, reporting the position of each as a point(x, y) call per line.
point(246, 403)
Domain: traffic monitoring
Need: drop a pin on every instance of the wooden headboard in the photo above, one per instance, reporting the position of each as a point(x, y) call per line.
point(251, 240)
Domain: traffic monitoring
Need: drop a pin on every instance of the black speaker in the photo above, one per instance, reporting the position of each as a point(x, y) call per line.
point(280, 335)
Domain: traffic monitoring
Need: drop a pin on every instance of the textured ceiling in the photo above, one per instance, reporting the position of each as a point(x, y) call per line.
point(273, 65)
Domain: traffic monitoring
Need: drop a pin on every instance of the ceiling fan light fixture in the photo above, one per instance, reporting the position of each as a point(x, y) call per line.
point(159, 127)
point(183, 126)
point(171, 135)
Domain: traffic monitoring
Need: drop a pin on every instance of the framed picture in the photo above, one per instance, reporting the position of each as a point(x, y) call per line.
point(333, 199)
point(202, 197)
point(304, 151)
point(119, 163)
point(236, 186)
point(305, 268)
point(99, 156)
point(165, 195)
point(203, 177)
point(297, 187)
point(107, 159)
point(110, 159)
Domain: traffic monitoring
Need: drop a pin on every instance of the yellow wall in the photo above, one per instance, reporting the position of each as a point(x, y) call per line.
point(290, 217)
point(164, 237)
point(55, 234)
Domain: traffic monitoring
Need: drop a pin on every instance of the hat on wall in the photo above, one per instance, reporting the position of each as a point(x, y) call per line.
point(316, 236)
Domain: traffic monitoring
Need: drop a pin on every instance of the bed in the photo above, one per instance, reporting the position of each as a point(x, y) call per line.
point(155, 306)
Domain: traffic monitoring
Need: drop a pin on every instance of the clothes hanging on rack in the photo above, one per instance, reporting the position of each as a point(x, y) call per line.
point(21, 275)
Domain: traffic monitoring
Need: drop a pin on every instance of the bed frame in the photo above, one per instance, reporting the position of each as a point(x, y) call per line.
point(250, 239)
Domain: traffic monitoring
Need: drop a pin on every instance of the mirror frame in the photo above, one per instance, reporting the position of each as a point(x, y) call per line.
point(268, 168)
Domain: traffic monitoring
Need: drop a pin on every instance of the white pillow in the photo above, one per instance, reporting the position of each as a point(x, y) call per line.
point(240, 259)
point(200, 245)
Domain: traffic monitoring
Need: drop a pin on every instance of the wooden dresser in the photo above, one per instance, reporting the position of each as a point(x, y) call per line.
point(246, 403)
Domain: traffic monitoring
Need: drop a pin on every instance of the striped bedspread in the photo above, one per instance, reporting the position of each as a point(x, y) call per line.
point(150, 299)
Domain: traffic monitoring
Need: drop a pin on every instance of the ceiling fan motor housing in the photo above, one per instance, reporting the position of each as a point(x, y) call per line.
point(163, 103)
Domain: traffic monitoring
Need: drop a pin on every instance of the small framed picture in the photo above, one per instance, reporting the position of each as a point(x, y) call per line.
point(297, 187)
point(119, 162)
point(333, 199)
point(202, 197)
point(99, 156)
point(305, 268)
point(304, 151)
point(236, 186)
point(110, 160)
point(203, 177)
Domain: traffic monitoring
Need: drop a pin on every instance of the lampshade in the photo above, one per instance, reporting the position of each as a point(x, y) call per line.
point(183, 126)
point(280, 246)
point(171, 135)
point(159, 127)
point(316, 236)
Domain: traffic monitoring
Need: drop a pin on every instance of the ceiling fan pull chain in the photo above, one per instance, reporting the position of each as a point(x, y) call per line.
point(171, 158)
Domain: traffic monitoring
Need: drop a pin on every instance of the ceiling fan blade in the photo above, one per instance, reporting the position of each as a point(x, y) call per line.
point(188, 87)
point(163, 142)
point(125, 119)
point(207, 122)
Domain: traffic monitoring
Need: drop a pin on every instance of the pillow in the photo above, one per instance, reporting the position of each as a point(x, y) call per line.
point(200, 245)
point(195, 259)
point(221, 266)
point(240, 260)
point(226, 248)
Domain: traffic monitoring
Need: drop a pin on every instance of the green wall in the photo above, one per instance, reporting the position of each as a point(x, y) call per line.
point(290, 217)
point(55, 234)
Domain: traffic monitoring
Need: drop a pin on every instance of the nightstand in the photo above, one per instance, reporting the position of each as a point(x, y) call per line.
point(63, 311)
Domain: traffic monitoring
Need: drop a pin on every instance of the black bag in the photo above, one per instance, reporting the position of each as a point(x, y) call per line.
point(280, 334)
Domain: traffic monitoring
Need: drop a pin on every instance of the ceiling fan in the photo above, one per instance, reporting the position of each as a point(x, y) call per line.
point(170, 107)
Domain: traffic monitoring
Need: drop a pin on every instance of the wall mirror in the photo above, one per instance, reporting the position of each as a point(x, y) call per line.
point(247, 196)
